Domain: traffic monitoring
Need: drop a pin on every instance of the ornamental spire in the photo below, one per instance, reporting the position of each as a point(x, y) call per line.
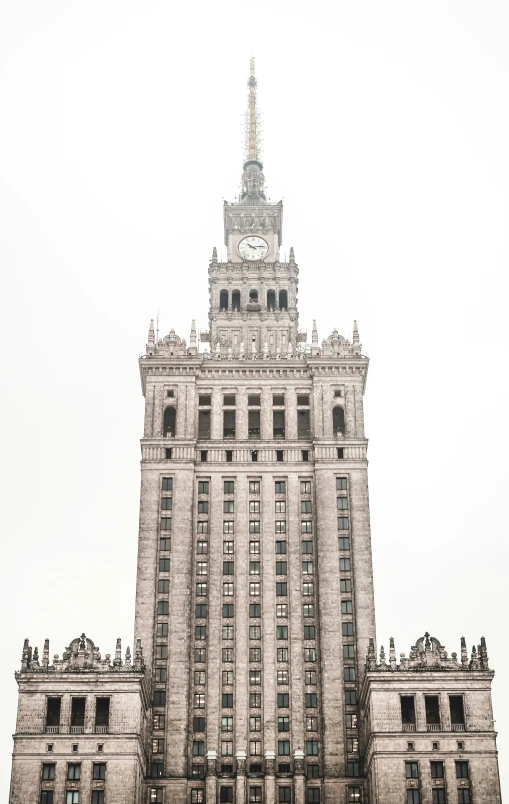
point(252, 178)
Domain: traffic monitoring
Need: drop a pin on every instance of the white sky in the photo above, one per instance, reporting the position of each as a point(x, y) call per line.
point(386, 131)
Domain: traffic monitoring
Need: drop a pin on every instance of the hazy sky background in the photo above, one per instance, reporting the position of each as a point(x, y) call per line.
point(386, 130)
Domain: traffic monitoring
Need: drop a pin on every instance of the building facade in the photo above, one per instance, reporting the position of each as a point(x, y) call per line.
point(255, 677)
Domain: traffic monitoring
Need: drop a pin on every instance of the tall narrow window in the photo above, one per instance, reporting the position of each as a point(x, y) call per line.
point(77, 714)
point(53, 714)
point(169, 421)
point(338, 420)
point(278, 423)
point(102, 714)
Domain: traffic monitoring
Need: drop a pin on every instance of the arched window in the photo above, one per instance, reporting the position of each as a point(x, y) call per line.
point(223, 300)
point(271, 300)
point(283, 300)
point(169, 421)
point(236, 300)
point(338, 420)
point(253, 296)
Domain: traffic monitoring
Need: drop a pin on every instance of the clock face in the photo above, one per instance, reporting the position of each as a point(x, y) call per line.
point(253, 248)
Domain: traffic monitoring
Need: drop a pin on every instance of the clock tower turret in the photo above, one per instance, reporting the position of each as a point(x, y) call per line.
point(253, 296)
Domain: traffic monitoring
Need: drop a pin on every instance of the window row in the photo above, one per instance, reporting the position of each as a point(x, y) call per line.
point(77, 721)
point(73, 771)
point(437, 769)
point(72, 797)
point(438, 796)
point(255, 794)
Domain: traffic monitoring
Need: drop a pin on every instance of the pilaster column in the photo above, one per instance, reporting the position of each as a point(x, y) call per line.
point(150, 396)
point(359, 412)
point(211, 782)
point(216, 425)
point(291, 415)
point(158, 412)
point(270, 778)
point(300, 782)
point(266, 415)
point(349, 411)
point(241, 427)
point(240, 782)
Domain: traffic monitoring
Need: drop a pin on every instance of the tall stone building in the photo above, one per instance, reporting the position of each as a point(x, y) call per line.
point(254, 676)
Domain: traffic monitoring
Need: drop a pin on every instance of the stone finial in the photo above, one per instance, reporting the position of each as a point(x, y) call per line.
point(292, 254)
point(117, 662)
point(192, 338)
point(392, 654)
point(35, 659)
point(474, 660)
point(151, 334)
point(484, 654)
point(314, 334)
point(464, 654)
point(45, 655)
point(25, 656)
point(214, 254)
point(138, 655)
point(371, 655)
point(127, 657)
point(83, 642)
point(383, 663)
point(355, 339)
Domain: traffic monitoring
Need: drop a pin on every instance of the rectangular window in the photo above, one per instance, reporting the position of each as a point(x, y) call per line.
point(48, 771)
point(204, 399)
point(167, 484)
point(200, 632)
point(343, 543)
point(352, 745)
point(163, 587)
point(227, 654)
point(199, 677)
point(161, 652)
point(255, 723)
point(283, 700)
point(165, 523)
point(432, 709)
point(199, 700)
point(344, 565)
point(462, 770)
point(307, 547)
point(197, 796)
point(282, 654)
point(438, 794)
point(280, 526)
point(311, 700)
point(347, 629)
point(226, 795)
point(228, 567)
point(313, 770)
point(437, 770)
point(156, 795)
point(280, 548)
point(312, 723)
point(280, 487)
point(227, 679)
point(255, 654)
point(78, 712)
point(283, 748)
point(255, 677)
point(200, 654)
point(305, 506)
point(310, 677)
point(305, 487)
point(203, 506)
point(226, 723)
point(227, 631)
point(283, 723)
point(412, 770)
point(229, 486)
point(407, 711)
point(310, 654)
point(282, 676)
point(349, 673)
point(342, 523)
point(255, 748)
point(306, 526)
point(46, 797)
point(254, 548)
point(456, 710)
point(157, 746)
point(201, 568)
point(165, 543)
point(166, 503)
point(198, 748)
point(228, 399)
point(413, 797)
point(341, 453)
point(312, 748)
point(253, 399)
point(227, 609)
point(280, 506)
point(345, 585)
point(308, 589)
point(228, 589)
point(464, 796)
point(227, 548)
point(309, 632)
point(74, 772)
point(162, 630)
point(254, 567)
point(307, 568)
point(346, 607)
point(342, 503)
point(197, 772)
point(281, 568)
point(72, 797)
point(203, 527)
point(348, 652)
point(228, 424)
point(159, 722)
point(350, 697)
point(278, 399)
point(163, 607)
point(254, 486)
point(313, 795)
point(156, 770)
point(254, 526)
point(255, 795)
point(229, 456)
point(254, 589)
point(255, 632)
point(201, 589)
point(228, 506)
point(228, 527)
point(255, 700)
point(254, 506)
point(284, 795)
point(281, 609)
point(281, 632)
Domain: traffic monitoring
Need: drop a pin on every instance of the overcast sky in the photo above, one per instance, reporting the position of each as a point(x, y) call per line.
point(386, 130)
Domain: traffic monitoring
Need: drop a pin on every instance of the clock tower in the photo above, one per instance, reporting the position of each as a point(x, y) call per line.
point(253, 296)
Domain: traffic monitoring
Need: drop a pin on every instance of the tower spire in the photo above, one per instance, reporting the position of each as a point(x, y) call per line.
point(252, 178)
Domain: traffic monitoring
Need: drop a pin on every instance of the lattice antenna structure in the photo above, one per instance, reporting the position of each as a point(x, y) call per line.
point(253, 126)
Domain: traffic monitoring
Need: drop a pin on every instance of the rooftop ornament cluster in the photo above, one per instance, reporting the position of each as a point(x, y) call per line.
point(427, 655)
point(81, 655)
